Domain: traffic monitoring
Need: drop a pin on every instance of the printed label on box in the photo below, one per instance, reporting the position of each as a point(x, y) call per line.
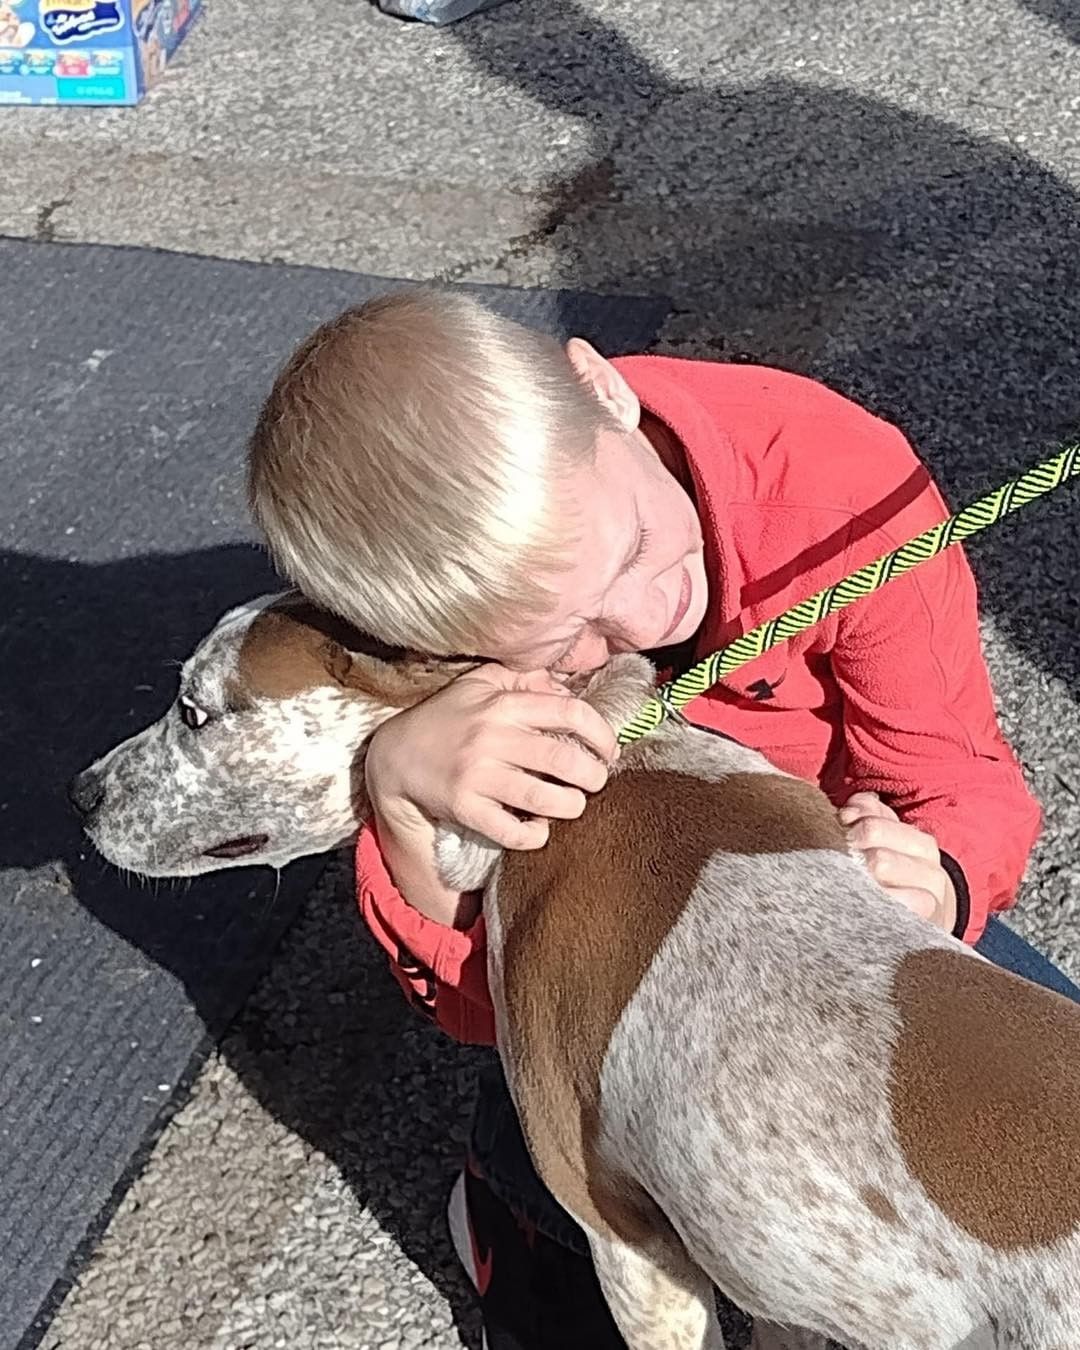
point(78, 20)
point(87, 51)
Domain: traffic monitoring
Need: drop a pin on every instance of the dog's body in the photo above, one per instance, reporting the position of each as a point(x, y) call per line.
point(736, 1060)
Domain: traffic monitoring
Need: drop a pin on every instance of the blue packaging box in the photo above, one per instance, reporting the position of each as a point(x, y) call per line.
point(87, 51)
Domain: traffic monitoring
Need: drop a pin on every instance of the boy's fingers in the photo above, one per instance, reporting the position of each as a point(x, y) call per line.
point(564, 760)
point(582, 720)
point(535, 797)
point(539, 681)
point(864, 804)
point(878, 832)
point(517, 681)
point(901, 871)
point(569, 717)
point(920, 902)
point(506, 830)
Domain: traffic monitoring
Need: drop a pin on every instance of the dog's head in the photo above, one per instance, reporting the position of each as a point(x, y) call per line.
point(260, 758)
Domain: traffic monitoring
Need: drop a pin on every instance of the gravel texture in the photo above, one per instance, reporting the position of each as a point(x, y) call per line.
point(884, 195)
point(298, 1198)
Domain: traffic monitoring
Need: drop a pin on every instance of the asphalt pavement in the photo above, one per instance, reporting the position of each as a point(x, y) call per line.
point(883, 195)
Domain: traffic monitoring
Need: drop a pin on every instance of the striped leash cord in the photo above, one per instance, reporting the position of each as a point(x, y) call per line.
point(980, 515)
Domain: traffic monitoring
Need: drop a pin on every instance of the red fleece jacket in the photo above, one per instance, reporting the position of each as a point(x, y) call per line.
point(796, 487)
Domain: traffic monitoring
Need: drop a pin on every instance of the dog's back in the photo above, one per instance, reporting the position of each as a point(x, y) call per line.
point(721, 1034)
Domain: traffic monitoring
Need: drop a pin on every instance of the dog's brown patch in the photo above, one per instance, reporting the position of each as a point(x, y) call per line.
point(292, 646)
point(582, 920)
point(879, 1204)
point(986, 1097)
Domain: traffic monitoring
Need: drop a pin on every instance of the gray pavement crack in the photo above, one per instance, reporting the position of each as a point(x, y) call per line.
point(593, 184)
point(44, 225)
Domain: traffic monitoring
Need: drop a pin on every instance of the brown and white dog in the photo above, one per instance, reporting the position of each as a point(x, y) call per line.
point(736, 1060)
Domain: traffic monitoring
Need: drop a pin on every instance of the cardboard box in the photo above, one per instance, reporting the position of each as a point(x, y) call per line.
point(87, 51)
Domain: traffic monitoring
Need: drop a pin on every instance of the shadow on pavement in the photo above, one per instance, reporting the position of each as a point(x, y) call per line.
point(927, 273)
point(88, 655)
point(1065, 14)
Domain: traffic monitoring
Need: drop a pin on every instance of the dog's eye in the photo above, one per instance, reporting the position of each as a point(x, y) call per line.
point(192, 715)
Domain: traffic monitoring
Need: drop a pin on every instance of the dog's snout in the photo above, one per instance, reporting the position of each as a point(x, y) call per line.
point(86, 792)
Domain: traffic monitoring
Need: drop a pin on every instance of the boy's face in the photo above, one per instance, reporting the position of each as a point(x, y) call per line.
point(637, 576)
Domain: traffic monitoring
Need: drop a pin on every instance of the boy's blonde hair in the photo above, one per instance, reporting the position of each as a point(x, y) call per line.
point(405, 468)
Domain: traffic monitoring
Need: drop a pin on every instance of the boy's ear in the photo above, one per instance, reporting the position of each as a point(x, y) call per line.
point(607, 384)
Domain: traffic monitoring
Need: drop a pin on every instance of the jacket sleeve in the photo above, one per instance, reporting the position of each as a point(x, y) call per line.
point(920, 726)
point(442, 971)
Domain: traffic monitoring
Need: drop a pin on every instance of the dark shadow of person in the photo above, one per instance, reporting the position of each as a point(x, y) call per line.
point(923, 271)
point(88, 656)
point(1064, 14)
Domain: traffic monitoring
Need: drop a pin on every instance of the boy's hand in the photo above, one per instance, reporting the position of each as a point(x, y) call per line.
point(902, 859)
point(486, 747)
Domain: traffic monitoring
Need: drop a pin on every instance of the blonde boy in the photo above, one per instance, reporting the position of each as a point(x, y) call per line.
point(452, 482)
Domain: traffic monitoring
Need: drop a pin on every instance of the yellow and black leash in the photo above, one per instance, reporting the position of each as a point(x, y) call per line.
point(980, 515)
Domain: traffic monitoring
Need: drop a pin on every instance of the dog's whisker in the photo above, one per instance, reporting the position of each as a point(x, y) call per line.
point(268, 908)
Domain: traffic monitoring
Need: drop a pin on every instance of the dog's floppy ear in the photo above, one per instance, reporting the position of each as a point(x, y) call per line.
point(390, 675)
point(292, 646)
point(336, 660)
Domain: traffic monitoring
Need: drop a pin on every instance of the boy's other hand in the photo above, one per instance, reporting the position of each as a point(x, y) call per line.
point(902, 858)
point(486, 751)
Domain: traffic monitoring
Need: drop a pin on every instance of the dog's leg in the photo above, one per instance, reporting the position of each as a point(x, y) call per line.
point(769, 1336)
point(660, 1300)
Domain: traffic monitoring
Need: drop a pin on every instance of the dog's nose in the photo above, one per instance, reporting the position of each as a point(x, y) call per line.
point(86, 792)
